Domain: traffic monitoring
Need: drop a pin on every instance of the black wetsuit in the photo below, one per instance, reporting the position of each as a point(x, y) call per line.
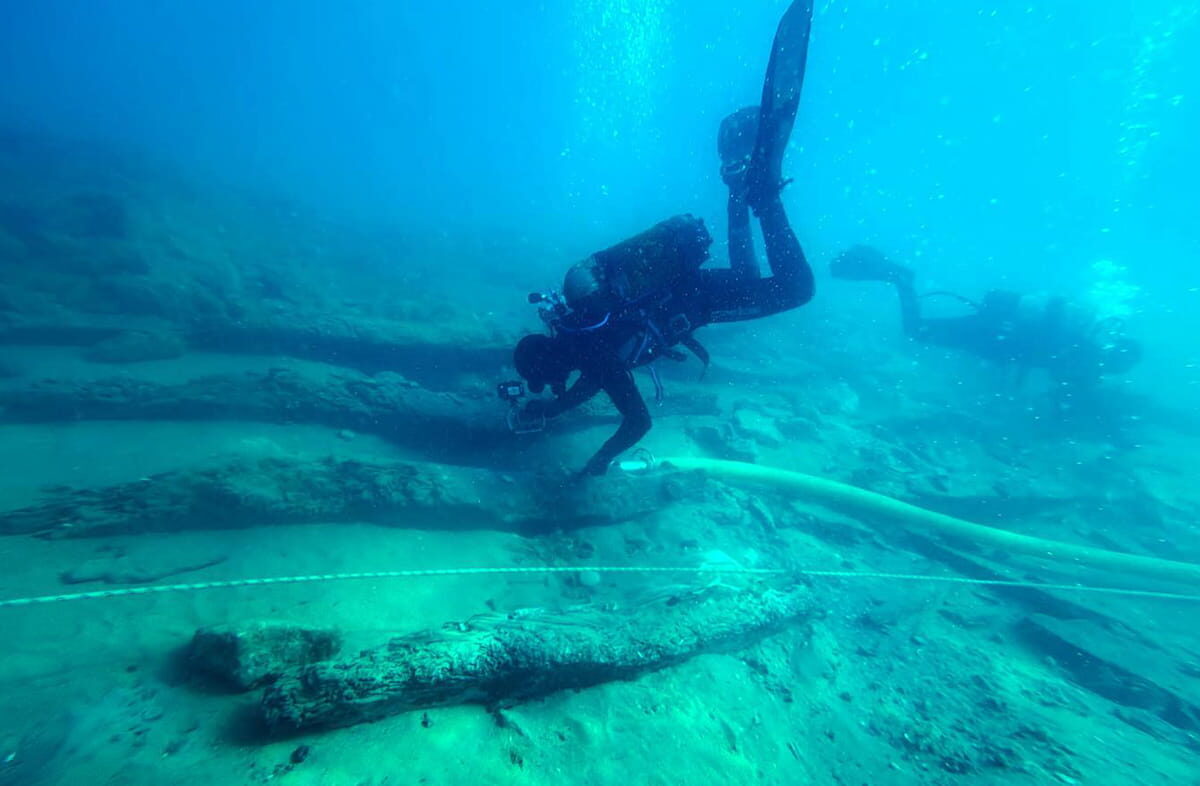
point(998, 331)
point(606, 356)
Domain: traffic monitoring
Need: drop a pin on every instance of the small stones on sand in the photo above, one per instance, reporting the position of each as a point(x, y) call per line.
point(589, 578)
point(757, 427)
point(724, 442)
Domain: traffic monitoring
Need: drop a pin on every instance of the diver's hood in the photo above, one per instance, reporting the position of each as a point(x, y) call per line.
point(537, 359)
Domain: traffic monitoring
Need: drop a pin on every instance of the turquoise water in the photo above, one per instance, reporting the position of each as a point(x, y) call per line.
point(263, 265)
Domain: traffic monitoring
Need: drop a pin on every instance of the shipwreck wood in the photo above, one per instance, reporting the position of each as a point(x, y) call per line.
point(460, 428)
point(506, 659)
point(436, 353)
point(253, 492)
point(278, 394)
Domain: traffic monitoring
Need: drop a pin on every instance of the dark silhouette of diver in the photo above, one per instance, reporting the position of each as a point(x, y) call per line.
point(1022, 331)
point(631, 304)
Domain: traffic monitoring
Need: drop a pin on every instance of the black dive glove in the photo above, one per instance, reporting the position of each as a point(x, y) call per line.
point(538, 408)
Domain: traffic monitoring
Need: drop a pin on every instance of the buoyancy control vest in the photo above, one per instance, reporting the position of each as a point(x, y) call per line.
point(638, 269)
point(636, 284)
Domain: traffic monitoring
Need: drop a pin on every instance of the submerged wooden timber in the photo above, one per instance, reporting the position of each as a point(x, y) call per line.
point(252, 492)
point(503, 659)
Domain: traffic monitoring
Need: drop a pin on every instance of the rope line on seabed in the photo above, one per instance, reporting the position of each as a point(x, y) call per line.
point(434, 572)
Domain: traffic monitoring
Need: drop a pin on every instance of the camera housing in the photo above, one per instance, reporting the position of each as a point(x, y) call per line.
point(510, 391)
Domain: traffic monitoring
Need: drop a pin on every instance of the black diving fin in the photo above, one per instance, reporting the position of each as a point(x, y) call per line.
point(780, 101)
point(864, 263)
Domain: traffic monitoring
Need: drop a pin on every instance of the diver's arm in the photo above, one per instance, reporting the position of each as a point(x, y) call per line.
point(915, 326)
point(587, 386)
point(635, 421)
point(581, 392)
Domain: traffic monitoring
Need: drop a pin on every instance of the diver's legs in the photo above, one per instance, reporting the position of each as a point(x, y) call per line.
point(733, 299)
point(864, 263)
point(966, 333)
point(742, 259)
point(735, 145)
point(944, 331)
point(910, 308)
point(756, 180)
point(963, 332)
point(791, 276)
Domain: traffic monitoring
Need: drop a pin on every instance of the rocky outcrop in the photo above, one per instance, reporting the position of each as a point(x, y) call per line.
point(1154, 688)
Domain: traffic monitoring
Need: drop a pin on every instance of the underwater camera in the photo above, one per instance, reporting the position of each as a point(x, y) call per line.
point(512, 392)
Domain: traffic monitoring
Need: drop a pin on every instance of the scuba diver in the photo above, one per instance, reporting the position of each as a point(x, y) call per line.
point(1024, 331)
point(631, 304)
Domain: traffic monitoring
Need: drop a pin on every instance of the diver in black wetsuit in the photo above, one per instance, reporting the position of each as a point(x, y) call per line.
point(631, 304)
point(1023, 331)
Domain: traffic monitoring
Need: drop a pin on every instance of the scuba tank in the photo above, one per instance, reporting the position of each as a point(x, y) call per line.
point(631, 284)
point(636, 269)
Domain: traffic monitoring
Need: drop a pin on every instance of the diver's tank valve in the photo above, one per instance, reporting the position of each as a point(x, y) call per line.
point(552, 307)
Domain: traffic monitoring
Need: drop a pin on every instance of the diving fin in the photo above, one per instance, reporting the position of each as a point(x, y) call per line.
point(780, 100)
point(863, 263)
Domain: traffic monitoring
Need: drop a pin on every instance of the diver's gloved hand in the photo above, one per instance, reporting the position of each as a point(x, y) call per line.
point(537, 408)
point(864, 263)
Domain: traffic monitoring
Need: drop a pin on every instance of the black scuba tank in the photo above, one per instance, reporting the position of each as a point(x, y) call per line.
point(636, 269)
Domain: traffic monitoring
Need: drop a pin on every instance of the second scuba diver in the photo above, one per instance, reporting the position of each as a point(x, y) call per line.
point(631, 304)
point(1021, 331)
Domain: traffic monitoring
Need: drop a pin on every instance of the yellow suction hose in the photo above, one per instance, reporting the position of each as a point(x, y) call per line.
point(868, 505)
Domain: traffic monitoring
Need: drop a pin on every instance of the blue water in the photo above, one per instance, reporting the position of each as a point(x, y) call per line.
point(470, 151)
point(997, 145)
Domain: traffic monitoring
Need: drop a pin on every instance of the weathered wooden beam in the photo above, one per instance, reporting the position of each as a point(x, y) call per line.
point(498, 660)
point(254, 492)
point(435, 354)
point(442, 424)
